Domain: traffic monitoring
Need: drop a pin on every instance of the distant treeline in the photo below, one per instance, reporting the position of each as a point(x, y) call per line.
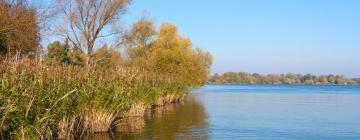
point(290, 78)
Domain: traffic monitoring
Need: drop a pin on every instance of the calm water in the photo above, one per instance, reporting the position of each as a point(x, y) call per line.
point(279, 112)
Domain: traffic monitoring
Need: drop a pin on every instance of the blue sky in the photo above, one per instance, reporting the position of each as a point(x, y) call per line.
point(266, 36)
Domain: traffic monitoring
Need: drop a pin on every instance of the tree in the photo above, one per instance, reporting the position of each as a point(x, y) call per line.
point(340, 79)
point(58, 53)
point(274, 78)
point(204, 60)
point(140, 34)
point(308, 79)
point(290, 78)
point(19, 32)
point(165, 53)
point(138, 39)
point(323, 79)
point(77, 57)
point(331, 78)
point(86, 21)
point(106, 57)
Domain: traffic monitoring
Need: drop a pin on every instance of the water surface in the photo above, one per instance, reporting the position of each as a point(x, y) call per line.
point(279, 112)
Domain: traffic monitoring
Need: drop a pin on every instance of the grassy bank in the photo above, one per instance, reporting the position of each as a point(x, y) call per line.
point(68, 92)
point(63, 97)
point(42, 101)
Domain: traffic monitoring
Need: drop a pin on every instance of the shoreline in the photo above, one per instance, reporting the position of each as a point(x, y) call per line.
point(284, 84)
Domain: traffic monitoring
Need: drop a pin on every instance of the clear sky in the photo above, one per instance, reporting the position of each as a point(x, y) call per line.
point(266, 36)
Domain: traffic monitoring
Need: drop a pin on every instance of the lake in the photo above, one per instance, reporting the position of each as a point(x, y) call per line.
point(254, 112)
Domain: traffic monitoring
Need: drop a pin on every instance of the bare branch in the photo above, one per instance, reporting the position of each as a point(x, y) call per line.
point(87, 21)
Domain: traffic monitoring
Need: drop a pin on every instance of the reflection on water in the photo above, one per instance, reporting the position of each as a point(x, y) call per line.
point(131, 125)
point(187, 120)
point(282, 112)
point(285, 112)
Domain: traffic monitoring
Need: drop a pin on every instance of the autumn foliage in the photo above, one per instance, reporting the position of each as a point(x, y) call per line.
point(290, 78)
point(75, 87)
point(19, 32)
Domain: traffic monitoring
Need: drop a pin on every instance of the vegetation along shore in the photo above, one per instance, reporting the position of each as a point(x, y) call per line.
point(290, 78)
point(87, 81)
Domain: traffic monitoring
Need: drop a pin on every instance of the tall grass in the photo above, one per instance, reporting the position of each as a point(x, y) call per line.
point(45, 102)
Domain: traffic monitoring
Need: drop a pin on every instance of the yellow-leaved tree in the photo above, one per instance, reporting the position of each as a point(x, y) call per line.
point(167, 54)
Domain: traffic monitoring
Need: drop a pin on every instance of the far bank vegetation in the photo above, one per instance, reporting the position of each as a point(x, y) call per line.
point(290, 78)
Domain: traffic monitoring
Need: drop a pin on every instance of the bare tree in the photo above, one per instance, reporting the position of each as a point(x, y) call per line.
point(86, 21)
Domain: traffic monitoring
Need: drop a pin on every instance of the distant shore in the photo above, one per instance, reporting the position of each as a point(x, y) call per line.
point(287, 79)
point(211, 83)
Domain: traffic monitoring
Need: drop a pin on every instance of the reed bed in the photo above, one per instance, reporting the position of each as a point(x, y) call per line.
point(41, 101)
